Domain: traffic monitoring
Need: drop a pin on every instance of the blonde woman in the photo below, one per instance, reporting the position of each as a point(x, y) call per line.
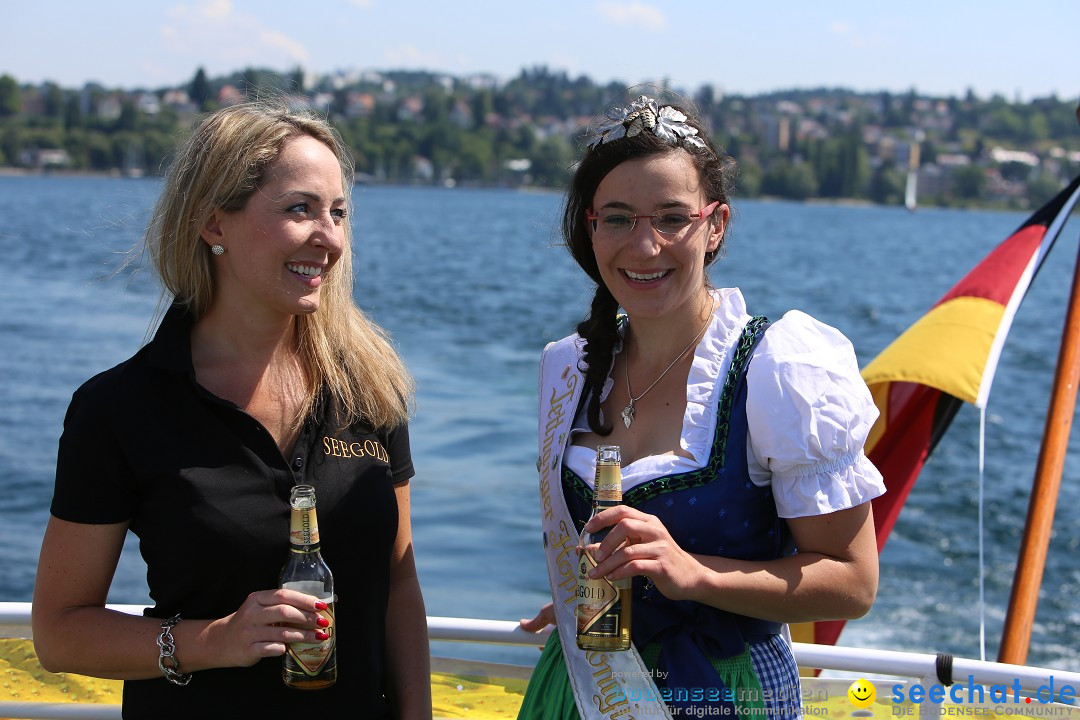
point(263, 374)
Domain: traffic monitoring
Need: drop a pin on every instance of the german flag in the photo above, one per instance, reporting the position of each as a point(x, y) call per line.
point(946, 358)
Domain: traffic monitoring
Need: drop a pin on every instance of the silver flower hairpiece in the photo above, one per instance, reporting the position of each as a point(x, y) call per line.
point(666, 123)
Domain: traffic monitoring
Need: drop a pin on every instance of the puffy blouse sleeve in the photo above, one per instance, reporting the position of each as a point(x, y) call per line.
point(809, 413)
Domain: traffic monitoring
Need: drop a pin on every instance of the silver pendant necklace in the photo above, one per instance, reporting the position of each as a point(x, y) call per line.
point(628, 411)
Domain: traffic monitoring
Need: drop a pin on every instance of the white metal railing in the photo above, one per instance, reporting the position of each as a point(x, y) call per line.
point(15, 623)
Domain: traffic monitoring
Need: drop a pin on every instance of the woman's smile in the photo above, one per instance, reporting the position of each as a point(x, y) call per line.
point(651, 273)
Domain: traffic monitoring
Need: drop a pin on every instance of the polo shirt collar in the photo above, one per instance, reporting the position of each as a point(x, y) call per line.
point(171, 346)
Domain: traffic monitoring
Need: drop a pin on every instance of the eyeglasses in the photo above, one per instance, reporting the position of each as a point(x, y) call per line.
point(615, 223)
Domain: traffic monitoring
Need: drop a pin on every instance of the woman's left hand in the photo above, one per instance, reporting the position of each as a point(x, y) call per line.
point(639, 544)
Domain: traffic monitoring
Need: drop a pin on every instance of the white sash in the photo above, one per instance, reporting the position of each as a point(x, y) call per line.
point(606, 685)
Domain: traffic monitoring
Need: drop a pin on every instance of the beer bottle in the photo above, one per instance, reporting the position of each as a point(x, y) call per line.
point(603, 608)
point(309, 666)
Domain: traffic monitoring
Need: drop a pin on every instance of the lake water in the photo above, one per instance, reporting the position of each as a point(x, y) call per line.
point(472, 284)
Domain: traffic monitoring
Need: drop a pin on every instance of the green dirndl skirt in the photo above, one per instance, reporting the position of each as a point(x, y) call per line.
point(550, 696)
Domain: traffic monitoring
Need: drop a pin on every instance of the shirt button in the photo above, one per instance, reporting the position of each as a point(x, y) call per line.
point(298, 463)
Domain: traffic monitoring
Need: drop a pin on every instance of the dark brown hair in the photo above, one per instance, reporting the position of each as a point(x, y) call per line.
point(600, 328)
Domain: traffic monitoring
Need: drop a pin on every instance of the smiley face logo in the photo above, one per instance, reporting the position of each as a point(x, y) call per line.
point(862, 693)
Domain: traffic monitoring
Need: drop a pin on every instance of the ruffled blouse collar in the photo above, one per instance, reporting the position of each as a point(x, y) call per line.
point(712, 357)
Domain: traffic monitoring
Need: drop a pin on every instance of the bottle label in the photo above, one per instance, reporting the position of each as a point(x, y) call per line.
point(312, 657)
point(303, 527)
point(608, 483)
point(598, 602)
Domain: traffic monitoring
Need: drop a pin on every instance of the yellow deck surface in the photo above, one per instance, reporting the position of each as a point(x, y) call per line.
point(484, 691)
point(475, 695)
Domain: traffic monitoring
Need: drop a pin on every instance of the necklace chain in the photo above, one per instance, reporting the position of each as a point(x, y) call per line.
point(628, 411)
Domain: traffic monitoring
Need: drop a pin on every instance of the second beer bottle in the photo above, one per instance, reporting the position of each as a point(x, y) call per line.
point(603, 608)
point(309, 666)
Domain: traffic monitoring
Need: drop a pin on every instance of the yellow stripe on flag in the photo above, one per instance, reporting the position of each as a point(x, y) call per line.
point(880, 393)
point(802, 632)
point(946, 349)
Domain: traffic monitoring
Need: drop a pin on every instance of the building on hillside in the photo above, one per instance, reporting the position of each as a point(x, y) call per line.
point(230, 95)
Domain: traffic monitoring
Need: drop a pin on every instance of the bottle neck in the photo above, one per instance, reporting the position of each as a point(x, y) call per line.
point(599, 504)
point(304, 530)
point(305, 549)
point(608, 485)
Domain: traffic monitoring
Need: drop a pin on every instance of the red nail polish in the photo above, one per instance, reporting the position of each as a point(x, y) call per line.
point(320, 605)
point(323, 622)
point(320, 635)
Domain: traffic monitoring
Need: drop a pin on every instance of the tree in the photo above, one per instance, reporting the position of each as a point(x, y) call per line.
point(856, 166)
point(249, 82)
point(749, 179)
point(11, 144)
point(199, 89)
point(1015, 171)
point(840, 166)
point(1005, 122)
point(907, 106)
point(795, 181)
point(1038, 127)
point(54, 100)
point(477, 159)
point(887, 185)
point(296, 80)
point(72, 113)
point(482, 106)
point(551, 162)
point(706, 98)
point(10, 99)
point(1041, 189)
point(891, 116)
point(129, 116)
point(968, 182)
point(927, 152)
point(99, 151)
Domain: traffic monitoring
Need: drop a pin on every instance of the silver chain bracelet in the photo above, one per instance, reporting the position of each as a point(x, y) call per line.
point(167, 645)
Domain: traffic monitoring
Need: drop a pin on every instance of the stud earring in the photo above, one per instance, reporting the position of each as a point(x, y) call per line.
point(217, 249)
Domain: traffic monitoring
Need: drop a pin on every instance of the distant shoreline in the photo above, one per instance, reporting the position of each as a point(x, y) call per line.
point(836, 202)
point(31, 172)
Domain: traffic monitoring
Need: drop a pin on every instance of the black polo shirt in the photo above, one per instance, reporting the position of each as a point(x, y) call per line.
point(206, 491)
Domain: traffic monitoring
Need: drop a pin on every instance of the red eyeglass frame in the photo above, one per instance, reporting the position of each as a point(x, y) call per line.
point(704, 212)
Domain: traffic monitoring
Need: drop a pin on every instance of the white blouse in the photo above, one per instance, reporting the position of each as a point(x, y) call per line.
point(808, 409)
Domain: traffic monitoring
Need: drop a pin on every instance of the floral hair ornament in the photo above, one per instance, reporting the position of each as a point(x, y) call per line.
point(666, 123)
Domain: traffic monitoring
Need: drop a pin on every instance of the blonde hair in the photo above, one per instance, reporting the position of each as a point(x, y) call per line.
point(218, 168)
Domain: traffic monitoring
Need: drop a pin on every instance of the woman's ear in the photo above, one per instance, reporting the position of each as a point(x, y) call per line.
point(212, 231)
point(718, 227)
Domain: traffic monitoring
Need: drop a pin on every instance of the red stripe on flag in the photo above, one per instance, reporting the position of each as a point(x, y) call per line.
point(902, 450)
point(918, 416)
point(996, 276)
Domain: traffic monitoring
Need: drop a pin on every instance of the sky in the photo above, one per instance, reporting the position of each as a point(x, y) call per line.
point(941, 48)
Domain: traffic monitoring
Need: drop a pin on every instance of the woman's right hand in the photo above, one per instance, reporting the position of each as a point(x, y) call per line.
point(545, 617)
point(74, 631)
point(266, 622)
